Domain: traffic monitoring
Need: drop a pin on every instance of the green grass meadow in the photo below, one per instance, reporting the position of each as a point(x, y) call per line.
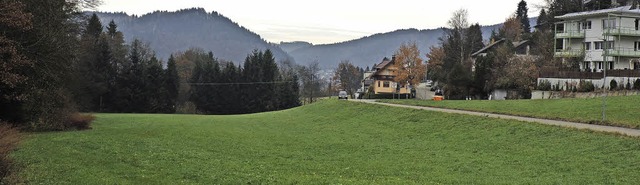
point(329, 142)
point(621, 111)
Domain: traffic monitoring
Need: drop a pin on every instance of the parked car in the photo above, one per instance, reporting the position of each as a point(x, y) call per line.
point(343, 95)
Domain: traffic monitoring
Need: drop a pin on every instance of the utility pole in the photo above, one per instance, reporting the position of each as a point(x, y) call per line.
point(604, 79)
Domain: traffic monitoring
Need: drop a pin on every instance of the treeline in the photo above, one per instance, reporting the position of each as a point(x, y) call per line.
point(219, 87)
point(114, 77)
point(130, 79)
point(38, 52)
point(57, 62)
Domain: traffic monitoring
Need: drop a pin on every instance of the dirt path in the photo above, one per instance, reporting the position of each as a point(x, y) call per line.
point(600, 128)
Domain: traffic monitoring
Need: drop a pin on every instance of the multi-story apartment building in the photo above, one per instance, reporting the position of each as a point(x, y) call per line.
point(608, 38)
point(598, 40)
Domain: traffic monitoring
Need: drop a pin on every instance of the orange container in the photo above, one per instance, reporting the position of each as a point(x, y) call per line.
point(438, 98)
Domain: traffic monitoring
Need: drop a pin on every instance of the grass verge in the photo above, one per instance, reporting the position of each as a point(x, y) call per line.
point(622, 111)
point(329, 142)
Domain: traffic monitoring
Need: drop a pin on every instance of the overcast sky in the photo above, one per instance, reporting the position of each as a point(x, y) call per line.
point(331, 21)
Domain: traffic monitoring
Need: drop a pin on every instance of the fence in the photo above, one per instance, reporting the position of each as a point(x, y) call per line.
point(588, 75)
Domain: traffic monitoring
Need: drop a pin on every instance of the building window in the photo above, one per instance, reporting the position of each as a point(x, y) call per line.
point(610, 66)
point(610, 45)
point(597, 45)
point(587, 46)
point(609, 23)
point(386, 84)
point(378, 83)
point(586, 25)
point(599, 65)
point(586, 66)
point(636, 46)
point(637, 23)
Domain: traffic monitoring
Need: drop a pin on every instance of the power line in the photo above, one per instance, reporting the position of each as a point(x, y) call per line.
point(238, 83)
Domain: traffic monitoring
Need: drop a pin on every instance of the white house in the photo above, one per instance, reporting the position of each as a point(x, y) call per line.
point(605, 38)
point(599, 39)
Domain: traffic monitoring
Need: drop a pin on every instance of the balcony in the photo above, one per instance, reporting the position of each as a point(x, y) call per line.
point(569, 53)
point(570, 34)
point(622, 52)
point(622, 31)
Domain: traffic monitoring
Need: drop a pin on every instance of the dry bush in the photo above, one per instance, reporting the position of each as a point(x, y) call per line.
point(9, 139)
point(81, 121)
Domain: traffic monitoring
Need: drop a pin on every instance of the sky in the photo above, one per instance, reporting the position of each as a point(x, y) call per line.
point(331, 21)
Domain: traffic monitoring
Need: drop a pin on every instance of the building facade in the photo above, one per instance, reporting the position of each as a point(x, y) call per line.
point(600, 39)
point(380, 80)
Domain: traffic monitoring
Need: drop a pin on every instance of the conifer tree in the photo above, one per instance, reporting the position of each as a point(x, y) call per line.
point(523, 17)
point(473, 39)
point(154, 91)
point(171, 85)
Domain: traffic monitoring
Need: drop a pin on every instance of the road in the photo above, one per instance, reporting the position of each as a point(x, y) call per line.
point(599, 128)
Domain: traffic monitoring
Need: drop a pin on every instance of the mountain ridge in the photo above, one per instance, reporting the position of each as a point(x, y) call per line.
point(171, 32)
point(371, 49)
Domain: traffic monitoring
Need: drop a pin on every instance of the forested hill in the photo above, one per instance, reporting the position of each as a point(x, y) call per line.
point(367, 50)
point(372, 49)
point(170, 32)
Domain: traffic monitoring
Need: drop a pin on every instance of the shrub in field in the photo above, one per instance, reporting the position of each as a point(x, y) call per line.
point(586, 86)
point(81, 121)
point(48, 110)
point(636, 84)
point(613, 85)
point(9, 139)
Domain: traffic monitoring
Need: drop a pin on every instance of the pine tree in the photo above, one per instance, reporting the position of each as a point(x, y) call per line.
point(269, 71)
point(473, 39)
point(171, 85)
point(154, 91)
point(112, 29)
point(229, 94)
point(94, 27)
point(102, 75)
point(204, 92)
point(558, 8)
point(494, 37)
point(94, 56)
point(542, 22)
point(131, 97)
point(523, 17)
point(458, 74)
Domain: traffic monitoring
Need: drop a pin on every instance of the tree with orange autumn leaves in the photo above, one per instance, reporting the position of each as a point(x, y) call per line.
point(410, 69)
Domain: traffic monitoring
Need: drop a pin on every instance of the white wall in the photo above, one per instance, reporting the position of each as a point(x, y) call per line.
point(499, 94)
point(597, 82)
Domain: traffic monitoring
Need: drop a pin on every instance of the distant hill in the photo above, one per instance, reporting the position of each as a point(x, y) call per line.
point(371, 49)
point(292, 46)
point(170, 32)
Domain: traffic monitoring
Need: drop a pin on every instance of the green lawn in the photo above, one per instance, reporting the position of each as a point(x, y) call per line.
point(330, 142)
point(622, 111)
